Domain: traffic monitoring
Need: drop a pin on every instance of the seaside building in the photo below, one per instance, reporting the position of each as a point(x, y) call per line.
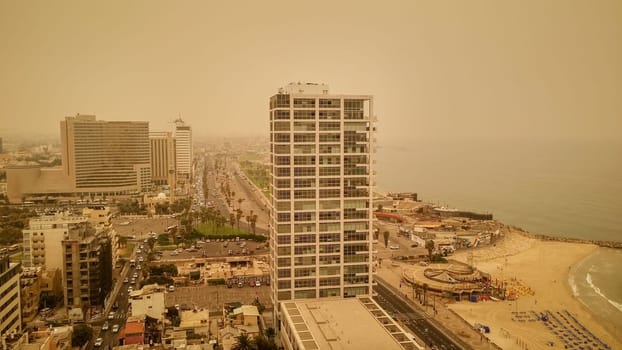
point(355, 323)
point(183, 149)
point(10, 300)
point(87, 266)
point(99, 159)
point(320, 193)
point(163, 158)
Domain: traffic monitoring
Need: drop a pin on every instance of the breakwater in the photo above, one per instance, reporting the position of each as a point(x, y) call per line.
point(605, 244)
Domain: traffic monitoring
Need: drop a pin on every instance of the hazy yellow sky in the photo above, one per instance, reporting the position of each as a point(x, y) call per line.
point(437, 69)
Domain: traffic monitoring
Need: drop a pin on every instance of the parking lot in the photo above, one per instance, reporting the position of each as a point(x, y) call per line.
point(218, 249)
point(140, 227)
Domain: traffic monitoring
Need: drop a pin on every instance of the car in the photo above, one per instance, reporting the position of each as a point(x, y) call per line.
point(133, 280)
point(115, 328)
point(98, 342)
point(111, 315)
point(138, 251)
point(240, 284)
point(126, 280)
point(105, 326)
point(171, 288)
point(135, 275)
point(138, 267)
point(115, 305)
point(394, 247)
point(257, 284)
point(130, 289)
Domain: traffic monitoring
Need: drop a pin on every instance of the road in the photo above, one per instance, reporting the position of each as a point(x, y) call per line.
point(413, 319)
point(110, 338)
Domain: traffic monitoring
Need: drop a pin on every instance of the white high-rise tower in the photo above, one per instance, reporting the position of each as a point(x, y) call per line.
point(321, 193)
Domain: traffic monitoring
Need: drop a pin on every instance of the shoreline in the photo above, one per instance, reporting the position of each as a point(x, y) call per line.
point(609, 325)
point(527, 255)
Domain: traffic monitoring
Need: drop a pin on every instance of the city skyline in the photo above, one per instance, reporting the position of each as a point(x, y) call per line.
point(518, 70)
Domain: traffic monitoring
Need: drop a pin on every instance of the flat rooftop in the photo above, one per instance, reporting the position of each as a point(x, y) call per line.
point(353, 323)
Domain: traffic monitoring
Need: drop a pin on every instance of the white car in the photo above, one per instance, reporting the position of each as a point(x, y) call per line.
point(111, 315)
point(105, 326)
point(98, 342)
point(394, 247)
point(115, 328)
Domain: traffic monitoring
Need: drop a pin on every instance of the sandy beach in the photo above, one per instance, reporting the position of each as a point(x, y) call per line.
point(539, 271)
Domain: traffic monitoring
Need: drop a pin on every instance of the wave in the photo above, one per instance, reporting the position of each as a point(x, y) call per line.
point(573, 285)
point(588, 279)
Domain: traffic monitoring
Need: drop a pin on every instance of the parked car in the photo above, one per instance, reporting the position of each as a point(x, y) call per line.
point(115, 328)
point(111, 315)
point(105, 326)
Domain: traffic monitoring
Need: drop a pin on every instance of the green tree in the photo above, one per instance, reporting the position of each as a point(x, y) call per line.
point(385, 235)
point(261, 342)
point(244, 343)
point(429, 245)
point(81, 335)
point(238, 216)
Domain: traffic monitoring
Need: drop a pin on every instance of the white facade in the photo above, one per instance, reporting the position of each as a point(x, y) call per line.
point(148, 301)
point(10, 309)
point(183, 148)
point(43, 238)
point(321, 193)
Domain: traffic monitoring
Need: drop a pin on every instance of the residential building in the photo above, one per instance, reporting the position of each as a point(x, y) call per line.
point(87, 267)
point(163, 158)
point(320, 193)
point(99, 159)
point(42, 239)
point(183, 149)
point(98, 215)
point(354, 323)
point(148, 301)
point(30, 282)
point(10, 306)
point(51, 283)
point(133, 332)
point(49, 338)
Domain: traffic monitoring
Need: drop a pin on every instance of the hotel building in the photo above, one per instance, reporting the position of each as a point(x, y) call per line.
point(321, 193)
point(99, 158)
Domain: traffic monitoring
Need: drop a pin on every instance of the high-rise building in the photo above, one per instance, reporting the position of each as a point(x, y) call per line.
point(183, 148)
point(321, 193)
point(87, 267)
point(10, 312)
point(106, 156)
point(162, 158)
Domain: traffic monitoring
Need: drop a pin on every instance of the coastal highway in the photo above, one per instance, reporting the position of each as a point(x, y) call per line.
point(414, 320)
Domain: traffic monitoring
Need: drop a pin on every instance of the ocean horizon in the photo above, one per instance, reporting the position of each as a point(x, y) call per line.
point(567, 189)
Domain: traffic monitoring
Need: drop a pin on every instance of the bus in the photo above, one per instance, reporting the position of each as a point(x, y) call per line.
point(13, 248)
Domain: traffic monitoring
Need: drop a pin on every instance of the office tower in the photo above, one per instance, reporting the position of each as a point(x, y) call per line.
point(321, 177)
point(10, 312)
point(87, 266)
point(162, 158)
point(183, 149)
point(42, 239)
point(107, 157)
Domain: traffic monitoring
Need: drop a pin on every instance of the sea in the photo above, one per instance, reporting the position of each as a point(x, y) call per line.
point(565, 188)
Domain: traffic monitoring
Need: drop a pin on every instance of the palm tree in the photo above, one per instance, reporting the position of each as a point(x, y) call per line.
point(244, 343)
point(429, 245)
point(254, 222)
point(385, 234)
point(231, 219)
point(238, 216)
